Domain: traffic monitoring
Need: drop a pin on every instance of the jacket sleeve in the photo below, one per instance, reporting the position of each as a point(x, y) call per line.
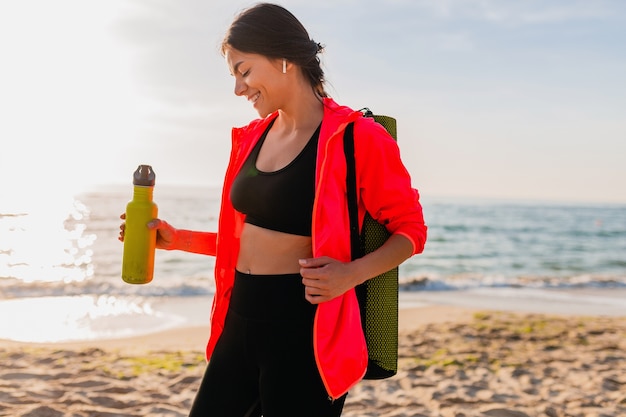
point(204, 243)
point(385, 189)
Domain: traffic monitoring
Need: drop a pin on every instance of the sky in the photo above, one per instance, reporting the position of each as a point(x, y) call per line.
point(496, 99)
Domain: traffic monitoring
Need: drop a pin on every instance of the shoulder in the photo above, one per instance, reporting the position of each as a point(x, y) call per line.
point(371, 134)
point(338, 116)
point(364, 125)
point(368, 125)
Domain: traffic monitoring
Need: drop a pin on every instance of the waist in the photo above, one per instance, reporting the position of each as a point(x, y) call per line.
point(263, 251)
point(276, 297)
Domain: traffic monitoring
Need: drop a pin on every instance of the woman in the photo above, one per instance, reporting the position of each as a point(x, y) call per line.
point(286, 337)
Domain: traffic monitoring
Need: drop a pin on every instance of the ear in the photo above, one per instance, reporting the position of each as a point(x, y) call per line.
point(284, 65)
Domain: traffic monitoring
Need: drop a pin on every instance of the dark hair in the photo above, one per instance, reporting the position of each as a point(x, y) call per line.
point(274, 32)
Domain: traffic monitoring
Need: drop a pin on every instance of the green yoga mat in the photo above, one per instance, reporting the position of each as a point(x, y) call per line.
point(378, 297)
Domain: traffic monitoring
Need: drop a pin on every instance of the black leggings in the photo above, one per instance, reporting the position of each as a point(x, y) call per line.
point(263, 363)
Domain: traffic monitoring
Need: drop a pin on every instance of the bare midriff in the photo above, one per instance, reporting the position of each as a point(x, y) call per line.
point(268, 252)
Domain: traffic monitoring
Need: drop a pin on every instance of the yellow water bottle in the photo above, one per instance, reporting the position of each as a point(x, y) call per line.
point(139, 241)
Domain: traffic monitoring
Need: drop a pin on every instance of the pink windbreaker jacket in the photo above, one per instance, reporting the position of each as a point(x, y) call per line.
point(384, 190)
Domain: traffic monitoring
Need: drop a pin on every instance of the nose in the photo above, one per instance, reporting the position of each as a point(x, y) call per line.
point(240, 86)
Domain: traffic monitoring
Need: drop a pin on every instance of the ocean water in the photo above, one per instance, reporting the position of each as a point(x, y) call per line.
point(60, 263)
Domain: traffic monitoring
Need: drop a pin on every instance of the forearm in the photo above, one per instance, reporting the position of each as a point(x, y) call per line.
point(392, 253)
point(203, 243)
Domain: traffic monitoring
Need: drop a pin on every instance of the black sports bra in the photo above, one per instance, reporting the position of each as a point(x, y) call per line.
point(281, 200)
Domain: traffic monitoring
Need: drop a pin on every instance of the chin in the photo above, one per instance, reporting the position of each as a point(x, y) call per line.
point(264, 111)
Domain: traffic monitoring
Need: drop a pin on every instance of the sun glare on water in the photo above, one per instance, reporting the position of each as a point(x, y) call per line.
point(46, 248)
point(45, 241)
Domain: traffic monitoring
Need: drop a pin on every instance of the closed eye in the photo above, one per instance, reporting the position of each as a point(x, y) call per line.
point(236, 69)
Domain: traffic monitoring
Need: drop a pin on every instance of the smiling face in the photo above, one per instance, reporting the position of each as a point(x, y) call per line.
point(259, 79)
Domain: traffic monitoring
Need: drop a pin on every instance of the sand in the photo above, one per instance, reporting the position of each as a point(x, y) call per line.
point(453, 362)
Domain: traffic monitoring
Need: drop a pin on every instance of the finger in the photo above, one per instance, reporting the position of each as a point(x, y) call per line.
point(309, 273)
point(123, 216)
point(314, 262)
point(313, 296)
point(313, 299)
point(317, 288)
point(314, 272)
point(317, 299)
point(155, 224)
point(314, 285)
point(311, 286)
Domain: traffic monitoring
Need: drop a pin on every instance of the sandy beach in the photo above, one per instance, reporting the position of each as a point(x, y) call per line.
point(454, 362)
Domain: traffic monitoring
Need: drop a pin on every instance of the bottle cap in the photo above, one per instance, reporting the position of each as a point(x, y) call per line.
point(144, 176)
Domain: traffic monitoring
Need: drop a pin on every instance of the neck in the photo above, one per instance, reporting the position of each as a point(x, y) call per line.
point(304, 110)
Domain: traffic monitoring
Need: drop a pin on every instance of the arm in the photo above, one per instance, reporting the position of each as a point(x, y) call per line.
point(386, 193)
point(326, 278)
point(170, 238)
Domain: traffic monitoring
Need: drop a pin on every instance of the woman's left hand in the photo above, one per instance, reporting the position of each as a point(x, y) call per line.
point(325, 278)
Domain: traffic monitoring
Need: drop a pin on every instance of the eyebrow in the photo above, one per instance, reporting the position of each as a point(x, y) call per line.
point(236, 66)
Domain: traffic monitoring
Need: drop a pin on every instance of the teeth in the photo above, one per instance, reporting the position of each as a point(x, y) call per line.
point(254, 98)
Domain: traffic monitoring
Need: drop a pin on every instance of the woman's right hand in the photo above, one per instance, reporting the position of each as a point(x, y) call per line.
point(166, 233)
